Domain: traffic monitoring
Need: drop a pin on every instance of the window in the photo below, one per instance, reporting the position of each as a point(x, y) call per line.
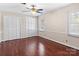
point(74, 24)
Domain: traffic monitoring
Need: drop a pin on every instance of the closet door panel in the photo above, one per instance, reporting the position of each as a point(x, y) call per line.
point(23, 28)
point(6, 28)
point(18, 29)
point(0, 27)
point(11, 27)
point(31, 26)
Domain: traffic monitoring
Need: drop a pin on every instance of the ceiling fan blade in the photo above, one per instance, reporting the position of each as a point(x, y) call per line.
point(39, 12)
point(25, 11)
point(23, 3)
point(27, 8)
point(40, 9)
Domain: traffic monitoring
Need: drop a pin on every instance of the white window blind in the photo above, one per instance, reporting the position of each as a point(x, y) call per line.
point(74, 24)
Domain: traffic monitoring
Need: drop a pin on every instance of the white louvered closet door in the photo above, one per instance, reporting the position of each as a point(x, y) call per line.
point(31, 26)
point(11, 27)
point(0, 28)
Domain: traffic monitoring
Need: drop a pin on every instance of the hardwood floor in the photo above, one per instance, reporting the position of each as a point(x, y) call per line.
point(35, 46)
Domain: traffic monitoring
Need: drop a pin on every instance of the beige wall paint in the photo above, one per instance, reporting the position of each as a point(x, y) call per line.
point(56, 25)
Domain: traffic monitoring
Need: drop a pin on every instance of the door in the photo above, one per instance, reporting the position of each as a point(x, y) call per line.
point(31, 26)
point(11, 27)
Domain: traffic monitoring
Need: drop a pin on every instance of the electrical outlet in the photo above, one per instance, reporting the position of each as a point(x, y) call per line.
point(66, 41)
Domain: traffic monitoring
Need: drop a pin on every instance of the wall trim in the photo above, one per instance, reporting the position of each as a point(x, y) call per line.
point(16, 39)
point(61, 42)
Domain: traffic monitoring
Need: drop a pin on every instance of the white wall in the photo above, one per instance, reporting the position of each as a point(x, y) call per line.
point(55, 25)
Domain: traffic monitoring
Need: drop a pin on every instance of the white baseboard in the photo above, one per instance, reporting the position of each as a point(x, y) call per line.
point(61, 43)
point(16, 39)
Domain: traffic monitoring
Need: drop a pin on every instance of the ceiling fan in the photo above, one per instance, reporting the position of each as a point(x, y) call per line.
point(33, 9)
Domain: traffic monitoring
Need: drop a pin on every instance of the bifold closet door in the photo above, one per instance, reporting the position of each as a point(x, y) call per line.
point(11, 27)
point(31, 26)
point(0, 28)
point(23, 26)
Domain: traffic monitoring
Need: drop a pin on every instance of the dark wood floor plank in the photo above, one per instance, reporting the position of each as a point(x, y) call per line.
point(35, 46)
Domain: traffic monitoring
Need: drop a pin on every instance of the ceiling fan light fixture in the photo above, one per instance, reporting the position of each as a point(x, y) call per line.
point(33, 12)
point(33, 9)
